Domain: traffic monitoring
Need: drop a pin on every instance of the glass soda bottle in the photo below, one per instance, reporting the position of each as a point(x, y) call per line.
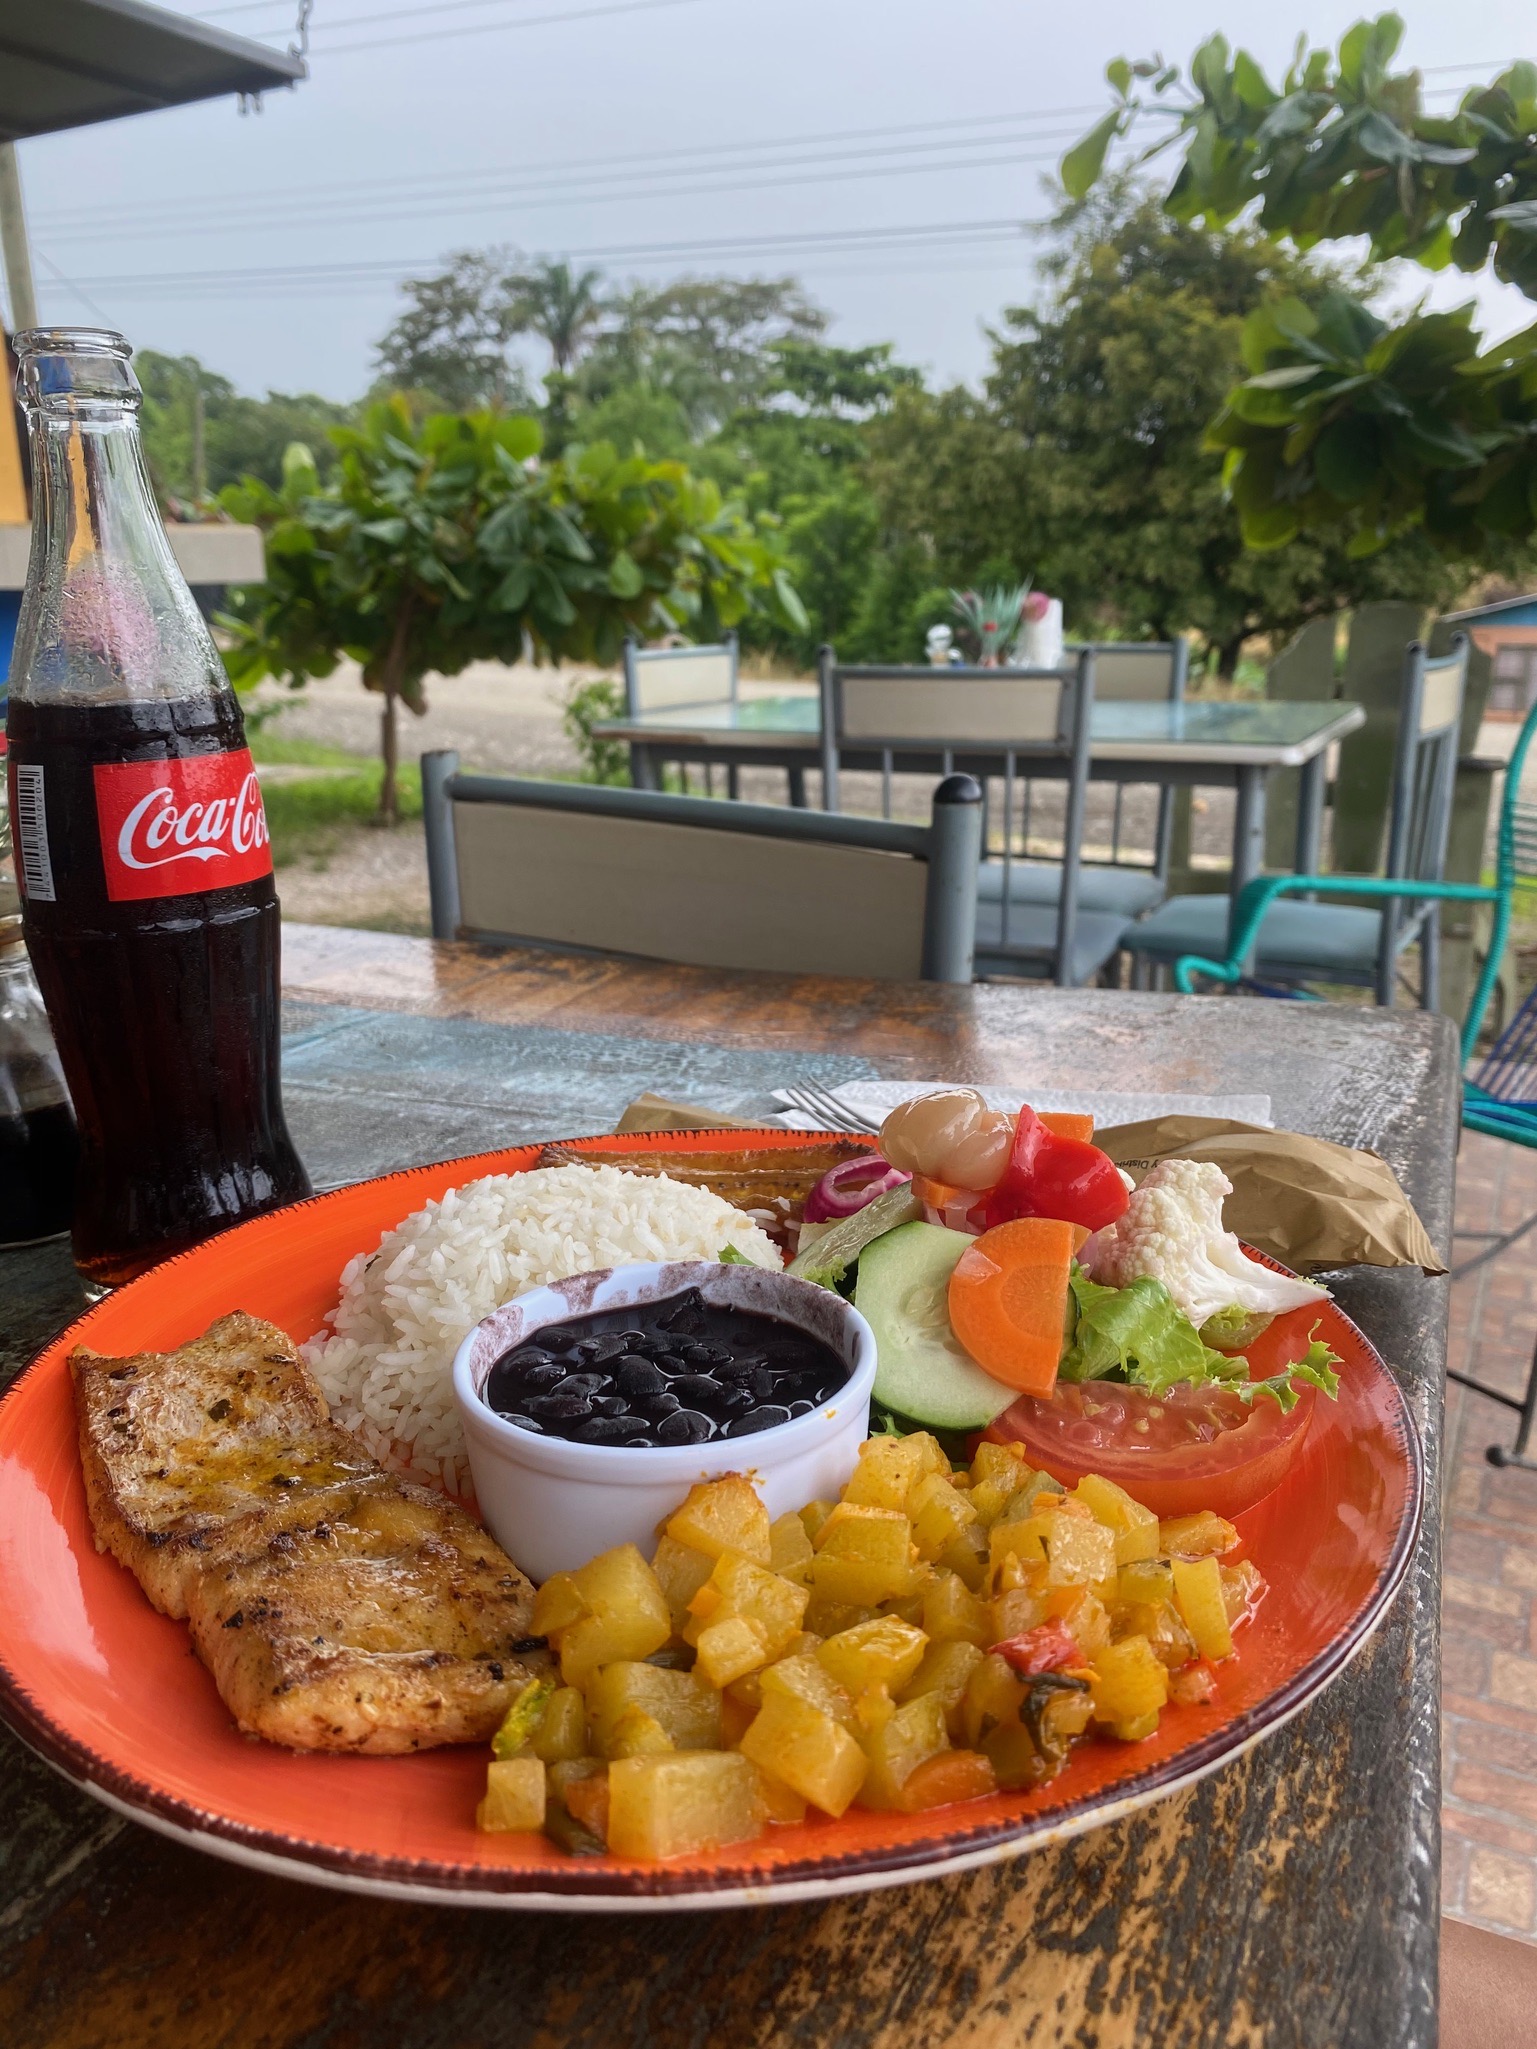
point(38, 1147)
point(140, 842)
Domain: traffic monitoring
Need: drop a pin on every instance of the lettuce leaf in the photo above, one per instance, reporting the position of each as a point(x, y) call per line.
point(1138, 1334)
point(1316, 1368)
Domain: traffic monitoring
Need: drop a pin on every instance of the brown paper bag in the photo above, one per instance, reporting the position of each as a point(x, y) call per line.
point(657, 1113)
point(1305, 1201)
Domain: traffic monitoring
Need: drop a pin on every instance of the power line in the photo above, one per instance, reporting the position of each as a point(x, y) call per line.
point(934, 237)
point(648, 191)
point(491, 27)
point(453, 186)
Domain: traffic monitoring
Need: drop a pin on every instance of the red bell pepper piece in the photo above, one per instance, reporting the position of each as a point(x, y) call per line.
point(1064, 1178)
point(1051, 1648)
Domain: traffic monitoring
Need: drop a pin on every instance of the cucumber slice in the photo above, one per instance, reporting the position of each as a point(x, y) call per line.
point(922, 1371)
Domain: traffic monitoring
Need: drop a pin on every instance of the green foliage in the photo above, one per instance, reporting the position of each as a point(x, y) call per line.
point(712, 345)
point(451, 343)
point(445, 542)
point(1086, 463)
point(589, 701)
point(802, 451)
point(241, 436)
point(1353, 423)
point(830, 540)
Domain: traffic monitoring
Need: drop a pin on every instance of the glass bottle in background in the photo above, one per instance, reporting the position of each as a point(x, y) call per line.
point(38, 1146)
point(140, 841)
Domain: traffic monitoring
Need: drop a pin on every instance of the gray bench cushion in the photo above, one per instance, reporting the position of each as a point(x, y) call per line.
point(1126, 891)
point(1311, 937)
point(1032, 940)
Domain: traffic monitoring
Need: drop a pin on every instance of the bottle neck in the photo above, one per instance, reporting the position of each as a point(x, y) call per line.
point(106, 616)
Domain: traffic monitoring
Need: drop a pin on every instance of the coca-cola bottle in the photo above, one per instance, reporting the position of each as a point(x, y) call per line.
point(140, 841)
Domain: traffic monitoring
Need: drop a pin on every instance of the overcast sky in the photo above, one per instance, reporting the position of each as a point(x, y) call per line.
point(880, 149)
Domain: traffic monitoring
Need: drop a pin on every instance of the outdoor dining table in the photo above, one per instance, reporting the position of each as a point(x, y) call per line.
point(1198, 741)
point(1292, 1898)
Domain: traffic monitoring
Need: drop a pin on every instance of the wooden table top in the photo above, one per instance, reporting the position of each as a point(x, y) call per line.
point(1291, 1899)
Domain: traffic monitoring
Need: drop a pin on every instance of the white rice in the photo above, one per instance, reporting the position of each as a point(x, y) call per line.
point(386, 1360)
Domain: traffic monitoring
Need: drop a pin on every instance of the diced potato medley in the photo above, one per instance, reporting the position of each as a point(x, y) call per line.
point(936, 1635)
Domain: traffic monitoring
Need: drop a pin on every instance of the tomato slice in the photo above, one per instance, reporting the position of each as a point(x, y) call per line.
point(1198, 1447)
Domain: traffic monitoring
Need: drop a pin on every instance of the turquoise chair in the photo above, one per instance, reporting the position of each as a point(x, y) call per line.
point(1353, 943)
point(1500, 1096)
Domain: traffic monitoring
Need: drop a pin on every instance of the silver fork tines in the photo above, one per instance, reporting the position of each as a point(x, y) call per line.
point(816, 1101)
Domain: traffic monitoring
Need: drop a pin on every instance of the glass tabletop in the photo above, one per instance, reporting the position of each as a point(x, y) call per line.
point(1280, 734)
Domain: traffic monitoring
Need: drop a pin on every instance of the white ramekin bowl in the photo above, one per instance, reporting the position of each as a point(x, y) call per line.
point(553, 1505)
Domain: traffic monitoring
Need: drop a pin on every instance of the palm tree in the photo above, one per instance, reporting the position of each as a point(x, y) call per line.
point(564, 308)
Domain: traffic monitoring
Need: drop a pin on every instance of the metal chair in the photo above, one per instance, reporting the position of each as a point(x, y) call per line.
point(1500, 1096)
point(1125, 672)
point(917, 721)
point(677, 678)
point(699, 882)
point(1348, 942)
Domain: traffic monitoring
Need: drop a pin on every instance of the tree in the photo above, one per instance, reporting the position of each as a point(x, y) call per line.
point(239, 435)
point(800, 447)
point(565, 308)
point(1086, 470)
point(1348, 421)
point(452, 341)
point(712, 345)
point(446, 542)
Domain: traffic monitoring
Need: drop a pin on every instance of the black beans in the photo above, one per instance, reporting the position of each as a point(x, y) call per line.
point(596, 1350)
point(763, 1418)
point(605, 1430)
point(678, 1372)
point(695, 1387)
point(685, 1426)
point(582, 1383)
point(639, 1377)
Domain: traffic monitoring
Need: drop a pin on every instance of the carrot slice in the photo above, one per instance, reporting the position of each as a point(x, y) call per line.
point(938, 1194)
point(1008, 1301)
point(1068, 1124)
point(952, 1775)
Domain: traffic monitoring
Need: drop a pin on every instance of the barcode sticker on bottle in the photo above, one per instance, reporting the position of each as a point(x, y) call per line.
point(31, 828)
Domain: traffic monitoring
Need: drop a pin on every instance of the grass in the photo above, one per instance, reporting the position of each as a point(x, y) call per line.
point(310, 820)
point(278, 750)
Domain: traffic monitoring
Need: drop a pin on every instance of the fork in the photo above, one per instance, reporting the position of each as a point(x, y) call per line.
point(815, 1101)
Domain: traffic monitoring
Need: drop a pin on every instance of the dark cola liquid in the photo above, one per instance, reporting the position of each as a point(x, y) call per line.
point(164, 1010)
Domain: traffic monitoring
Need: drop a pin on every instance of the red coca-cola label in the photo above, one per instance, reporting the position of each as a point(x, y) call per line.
point(181, 827)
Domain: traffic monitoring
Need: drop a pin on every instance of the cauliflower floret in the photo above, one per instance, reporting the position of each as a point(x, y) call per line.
point(1172, 1231)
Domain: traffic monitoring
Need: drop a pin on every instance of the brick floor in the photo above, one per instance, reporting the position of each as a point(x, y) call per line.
point(1489, 1593)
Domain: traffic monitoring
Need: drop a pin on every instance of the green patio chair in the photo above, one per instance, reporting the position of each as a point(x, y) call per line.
point(1500, 1095)
point(1344, 942)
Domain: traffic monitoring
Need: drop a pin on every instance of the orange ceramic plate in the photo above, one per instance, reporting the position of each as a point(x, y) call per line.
point(109, 1692)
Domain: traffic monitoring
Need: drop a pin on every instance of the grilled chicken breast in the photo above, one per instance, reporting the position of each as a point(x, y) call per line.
point(175, 1445)
point(337, 1606)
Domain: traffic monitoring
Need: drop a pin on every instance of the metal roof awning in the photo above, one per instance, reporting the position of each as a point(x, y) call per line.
point(67, 63)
